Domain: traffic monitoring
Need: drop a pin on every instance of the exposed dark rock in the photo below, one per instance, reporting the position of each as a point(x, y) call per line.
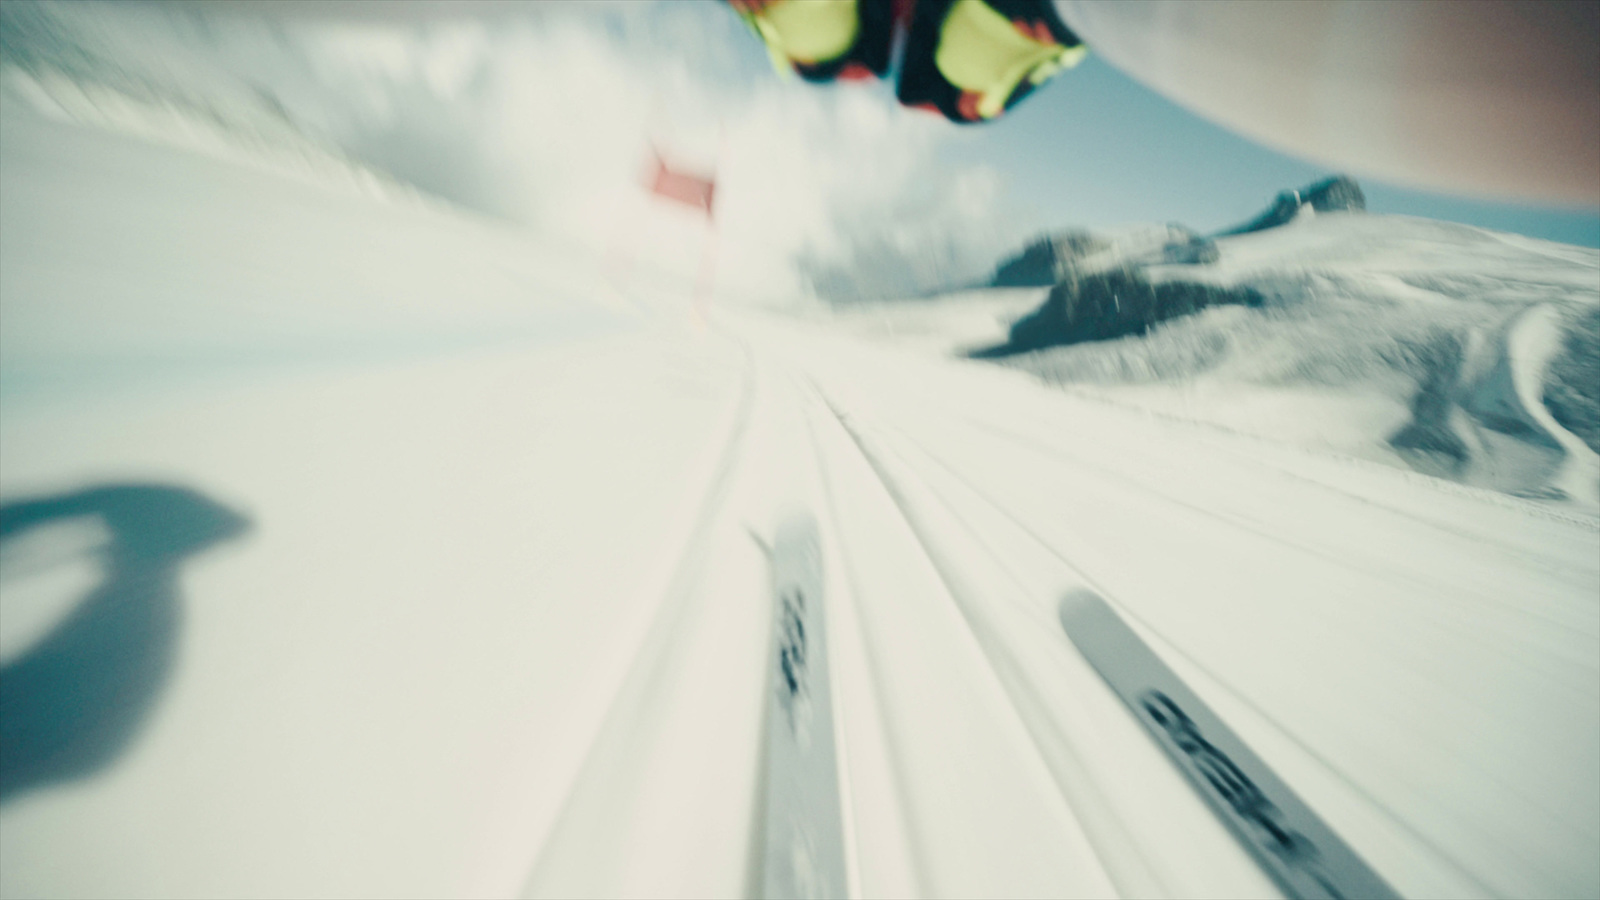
point(1051, 258)
point(1572, 384)
point(1428, 442)
point(1041, 262)
point(1197, 251)
point(1337, 194)
point(1106, 305)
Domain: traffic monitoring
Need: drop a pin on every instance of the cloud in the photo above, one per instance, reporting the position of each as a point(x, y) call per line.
point(549, 120)
point(545, 114)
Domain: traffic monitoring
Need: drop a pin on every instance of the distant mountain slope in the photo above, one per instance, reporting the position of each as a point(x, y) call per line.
point(1047, 258)
point(1471, 355)
point(1337, 194)
point(1459, 352)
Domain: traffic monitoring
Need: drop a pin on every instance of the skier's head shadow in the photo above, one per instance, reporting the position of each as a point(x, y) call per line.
point(76, 698)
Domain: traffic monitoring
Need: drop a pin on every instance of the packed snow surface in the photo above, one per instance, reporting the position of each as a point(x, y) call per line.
point(458, 548)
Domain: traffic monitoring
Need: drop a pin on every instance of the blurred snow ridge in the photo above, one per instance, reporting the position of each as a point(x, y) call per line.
point(127, 73)
point(1455, 351)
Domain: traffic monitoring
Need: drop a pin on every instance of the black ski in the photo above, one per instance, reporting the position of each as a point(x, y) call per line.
point(1296, 848)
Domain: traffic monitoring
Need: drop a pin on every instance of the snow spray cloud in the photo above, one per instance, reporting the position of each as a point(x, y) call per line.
point(546, 113)
point(549, 119)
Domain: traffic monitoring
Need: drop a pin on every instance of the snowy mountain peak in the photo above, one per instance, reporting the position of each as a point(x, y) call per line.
point(1337, 194)
point(1049, 257)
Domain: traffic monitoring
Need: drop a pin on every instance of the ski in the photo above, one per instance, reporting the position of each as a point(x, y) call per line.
point(804, 856)
point(1296, 848)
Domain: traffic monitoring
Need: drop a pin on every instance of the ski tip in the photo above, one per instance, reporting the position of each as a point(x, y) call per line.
point(1081, 608)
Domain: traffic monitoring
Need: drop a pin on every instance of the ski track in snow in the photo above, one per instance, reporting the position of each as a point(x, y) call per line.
point(1421, 875)
point(503, 623)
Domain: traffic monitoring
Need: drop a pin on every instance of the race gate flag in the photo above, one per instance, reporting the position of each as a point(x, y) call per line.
point(684, 187)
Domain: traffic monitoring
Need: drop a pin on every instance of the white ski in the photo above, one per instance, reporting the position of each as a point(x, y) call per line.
point(804, 855)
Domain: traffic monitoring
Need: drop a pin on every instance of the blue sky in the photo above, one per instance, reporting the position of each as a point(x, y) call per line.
point(1096, 147)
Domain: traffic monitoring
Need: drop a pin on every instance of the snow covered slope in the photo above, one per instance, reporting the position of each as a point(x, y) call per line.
point(440, 567)
point(124, 70)
point(1462, 353)
point(131, 259)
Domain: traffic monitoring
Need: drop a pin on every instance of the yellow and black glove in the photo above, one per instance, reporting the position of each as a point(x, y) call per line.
point(823, 39)
point(969, 60)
